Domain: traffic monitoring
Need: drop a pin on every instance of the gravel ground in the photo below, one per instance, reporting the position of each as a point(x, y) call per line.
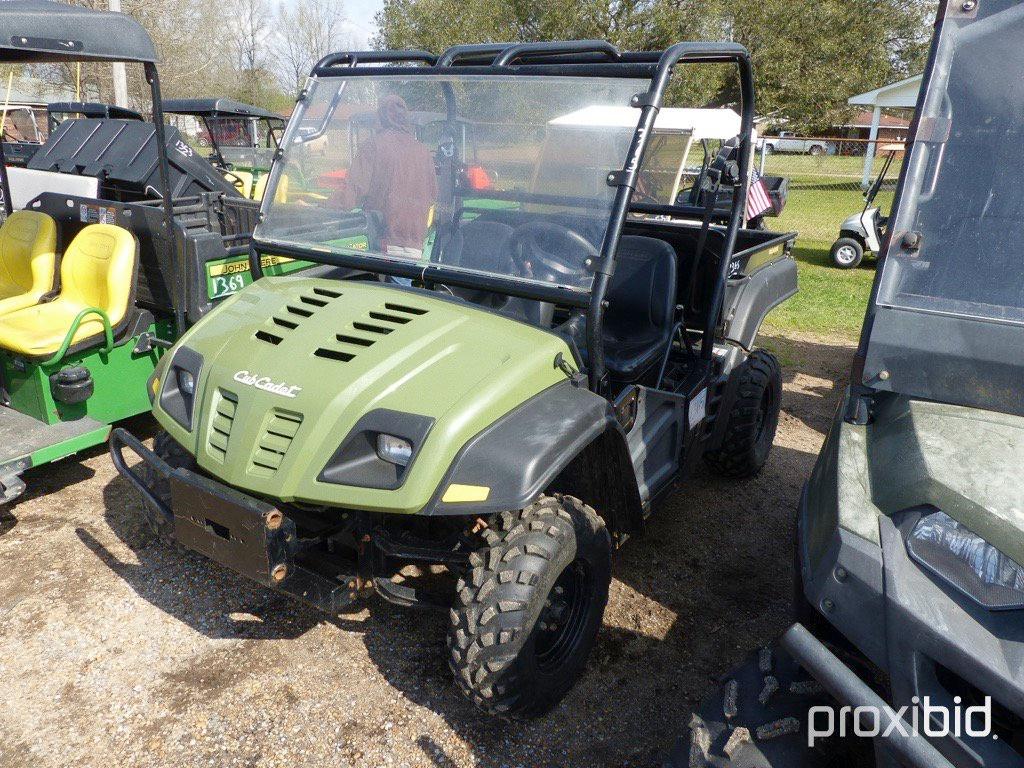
point(116, 651)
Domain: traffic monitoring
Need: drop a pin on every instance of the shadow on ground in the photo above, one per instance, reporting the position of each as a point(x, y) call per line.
point(48, 478)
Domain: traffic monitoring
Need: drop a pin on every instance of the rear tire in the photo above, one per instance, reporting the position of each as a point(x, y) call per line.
point(528, 610)
point(170, 451)
point(751, 424)
point(847, 252)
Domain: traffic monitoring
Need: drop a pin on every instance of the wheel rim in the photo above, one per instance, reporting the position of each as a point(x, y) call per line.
point(560, 625)
point(846, 254)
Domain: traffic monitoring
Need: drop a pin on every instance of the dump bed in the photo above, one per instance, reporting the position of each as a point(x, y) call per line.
point(123, 155)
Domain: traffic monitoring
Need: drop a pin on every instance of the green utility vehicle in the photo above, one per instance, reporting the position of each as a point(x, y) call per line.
point(540, 363)
point(910, 545)
point(106, 234)
point(242, 138)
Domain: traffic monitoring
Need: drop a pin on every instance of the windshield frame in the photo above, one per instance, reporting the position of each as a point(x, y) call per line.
point(940, 354)
point(565, 59)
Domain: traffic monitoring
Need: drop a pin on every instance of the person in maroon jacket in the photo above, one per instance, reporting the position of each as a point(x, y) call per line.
point(393, 174)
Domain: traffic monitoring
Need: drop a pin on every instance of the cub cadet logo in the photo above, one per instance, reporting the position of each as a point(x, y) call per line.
point(266, 384)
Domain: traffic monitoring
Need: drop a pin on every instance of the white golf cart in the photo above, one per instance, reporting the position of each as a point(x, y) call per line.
point(861, 233)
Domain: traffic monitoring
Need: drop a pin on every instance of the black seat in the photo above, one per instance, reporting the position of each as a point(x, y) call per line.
point(641, 306)
point(479, 245)
point(484, 245)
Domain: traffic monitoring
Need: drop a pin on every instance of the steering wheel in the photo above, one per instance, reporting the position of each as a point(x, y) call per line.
point(527, 245)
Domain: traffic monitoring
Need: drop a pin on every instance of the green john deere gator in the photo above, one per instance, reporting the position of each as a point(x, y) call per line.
point(108, 227)
point(535, 361)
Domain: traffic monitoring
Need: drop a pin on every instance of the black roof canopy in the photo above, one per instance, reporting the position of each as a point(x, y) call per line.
point(211, 107)
point(92, 109)
point(41, 31)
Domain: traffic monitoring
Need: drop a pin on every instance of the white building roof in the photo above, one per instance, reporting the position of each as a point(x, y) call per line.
point(900, 94)
point(702, 123)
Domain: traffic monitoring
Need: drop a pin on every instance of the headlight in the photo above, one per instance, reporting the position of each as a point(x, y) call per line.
point(186, 382)
point(379, 452)
point(396, 450)
point(178, 398)
point(967, 562)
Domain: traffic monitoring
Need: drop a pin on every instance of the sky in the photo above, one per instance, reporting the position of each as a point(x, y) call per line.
point(360, 15)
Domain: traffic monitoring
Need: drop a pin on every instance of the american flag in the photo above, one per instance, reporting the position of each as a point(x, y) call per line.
point(758, 200)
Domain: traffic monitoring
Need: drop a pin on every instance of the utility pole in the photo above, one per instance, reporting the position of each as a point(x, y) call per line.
point(120, 77)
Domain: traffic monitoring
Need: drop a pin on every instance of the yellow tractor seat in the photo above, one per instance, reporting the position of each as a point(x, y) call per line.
point(242, 181)
point(280, 194)
point(28, 259)
point(98, 271)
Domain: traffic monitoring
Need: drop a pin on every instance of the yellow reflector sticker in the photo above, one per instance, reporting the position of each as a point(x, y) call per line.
point(156, 384)
point(461, 493)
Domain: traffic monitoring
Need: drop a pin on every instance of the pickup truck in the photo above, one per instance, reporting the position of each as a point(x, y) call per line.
point(787, 141)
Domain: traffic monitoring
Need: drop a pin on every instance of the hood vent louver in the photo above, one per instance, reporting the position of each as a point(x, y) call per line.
point(298, 311)
point(224, 406)
point(403, 308)
point(270, 338)
point(333, 354)
point(387, 319)
point(292, 316)
point(370, 328)
point(274, 441)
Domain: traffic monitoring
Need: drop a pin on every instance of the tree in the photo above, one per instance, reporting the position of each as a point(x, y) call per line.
point(187, 36)
point(809, 55)
point(247, 37)
point(306, 33)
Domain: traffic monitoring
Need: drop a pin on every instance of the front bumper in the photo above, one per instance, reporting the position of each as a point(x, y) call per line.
point(907, 748)
point(243, 533)
point(930, 640)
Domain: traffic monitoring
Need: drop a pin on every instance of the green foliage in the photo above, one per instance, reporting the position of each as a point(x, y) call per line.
point(810, 55)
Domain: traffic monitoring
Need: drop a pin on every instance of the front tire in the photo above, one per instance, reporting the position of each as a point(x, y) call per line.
point(753, 419)
point(847, 252)
point(170, 451)
point(528, 610)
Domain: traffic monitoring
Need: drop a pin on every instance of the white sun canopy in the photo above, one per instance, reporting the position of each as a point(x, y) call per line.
point(721, 124)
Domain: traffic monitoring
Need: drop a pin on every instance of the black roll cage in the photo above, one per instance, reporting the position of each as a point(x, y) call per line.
point(214, 111)
point(576, 58)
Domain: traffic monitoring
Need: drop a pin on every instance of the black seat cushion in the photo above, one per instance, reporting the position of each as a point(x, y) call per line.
point(484, 245)
point(480, 245)
point(641, 306)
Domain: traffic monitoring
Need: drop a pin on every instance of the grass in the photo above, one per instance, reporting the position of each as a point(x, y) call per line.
point(823, 192)
point(830, 302)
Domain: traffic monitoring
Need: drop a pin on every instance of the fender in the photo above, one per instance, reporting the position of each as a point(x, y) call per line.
point(536, 445)
point(751, 297)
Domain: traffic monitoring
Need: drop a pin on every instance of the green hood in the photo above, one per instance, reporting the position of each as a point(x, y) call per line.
point(290, 365)
point(965, 461)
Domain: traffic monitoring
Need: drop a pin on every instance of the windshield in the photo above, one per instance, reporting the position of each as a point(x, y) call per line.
point(474, 172)
point(963, 198)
